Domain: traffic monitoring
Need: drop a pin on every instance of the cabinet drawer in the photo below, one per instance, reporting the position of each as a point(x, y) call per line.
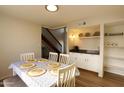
point(90, 62)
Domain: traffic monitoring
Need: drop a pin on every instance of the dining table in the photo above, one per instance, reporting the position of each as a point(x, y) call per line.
point(45, 80)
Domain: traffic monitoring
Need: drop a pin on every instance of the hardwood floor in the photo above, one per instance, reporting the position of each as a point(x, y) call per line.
point(90, 79)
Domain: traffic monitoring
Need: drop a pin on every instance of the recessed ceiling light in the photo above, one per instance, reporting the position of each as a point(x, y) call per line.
point(51, 8)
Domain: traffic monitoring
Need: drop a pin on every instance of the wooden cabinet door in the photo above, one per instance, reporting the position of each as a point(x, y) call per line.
point(76, 58)
point(72, 58)
point(85, 61)
point(79, 62)
point(91, 63)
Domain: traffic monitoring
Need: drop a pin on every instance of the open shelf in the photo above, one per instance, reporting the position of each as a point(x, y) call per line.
point(115, 36)
point(116, 57)
point(114, 67)
point(114, 46)
point(90, 37)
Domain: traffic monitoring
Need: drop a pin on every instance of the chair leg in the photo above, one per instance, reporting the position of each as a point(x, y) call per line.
point(1, 83)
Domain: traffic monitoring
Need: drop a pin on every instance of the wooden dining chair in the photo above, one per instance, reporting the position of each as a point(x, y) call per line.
point(53, 56)
point(15, 81)
point(27, 56)
point(72, 61)
point(66, 76)
point(64, 58)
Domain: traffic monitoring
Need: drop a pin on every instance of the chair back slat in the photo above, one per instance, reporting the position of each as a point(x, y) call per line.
point(66, 76)
point(64, 58)
point(53, 56)
point(27, 56)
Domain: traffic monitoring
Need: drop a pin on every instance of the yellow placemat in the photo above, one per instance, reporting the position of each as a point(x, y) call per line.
point(54, 64)
point(27, 65)
point(36, 72)
point(33, 60)
point(42, 60)
point(54, 72)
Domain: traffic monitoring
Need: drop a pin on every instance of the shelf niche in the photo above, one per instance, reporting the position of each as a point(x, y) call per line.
point(114, 47)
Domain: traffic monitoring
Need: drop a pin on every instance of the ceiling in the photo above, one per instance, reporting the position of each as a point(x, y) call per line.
point(66, 13)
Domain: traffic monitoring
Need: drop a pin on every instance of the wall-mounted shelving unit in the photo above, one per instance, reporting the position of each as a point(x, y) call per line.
point(114, 34)
point(114, 66)
point(114, 47)
point(115, 57)
point(110, 45)
point(90, 37)
point(114, 40)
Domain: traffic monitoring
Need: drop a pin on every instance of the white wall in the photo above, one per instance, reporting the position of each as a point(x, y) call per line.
point(17, 36)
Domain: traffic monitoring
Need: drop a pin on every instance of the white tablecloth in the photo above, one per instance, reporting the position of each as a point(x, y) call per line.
point(45, 80)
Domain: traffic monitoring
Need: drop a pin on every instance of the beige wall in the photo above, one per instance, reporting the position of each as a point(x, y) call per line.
point(95, 20)
point(17, 36)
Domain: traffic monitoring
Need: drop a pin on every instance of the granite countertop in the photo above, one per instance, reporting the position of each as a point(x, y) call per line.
point(96, 52)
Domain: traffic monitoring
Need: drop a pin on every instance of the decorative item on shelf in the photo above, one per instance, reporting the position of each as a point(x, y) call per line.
point(75, 49)
point(72, 36)
point(114, 44)
point(115, 34)
point(96, 34)
point(106, 34)
point(84, 23)
point(81, 35)
point(87, 34)
point(111, 44)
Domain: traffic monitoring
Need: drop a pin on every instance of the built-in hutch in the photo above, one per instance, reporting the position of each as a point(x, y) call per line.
point(87, 39)
point(98, 48)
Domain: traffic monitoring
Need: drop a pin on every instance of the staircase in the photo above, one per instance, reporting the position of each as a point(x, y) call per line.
point(49, 43)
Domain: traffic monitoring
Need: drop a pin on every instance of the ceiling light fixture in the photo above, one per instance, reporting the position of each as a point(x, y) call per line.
point(52, 8)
